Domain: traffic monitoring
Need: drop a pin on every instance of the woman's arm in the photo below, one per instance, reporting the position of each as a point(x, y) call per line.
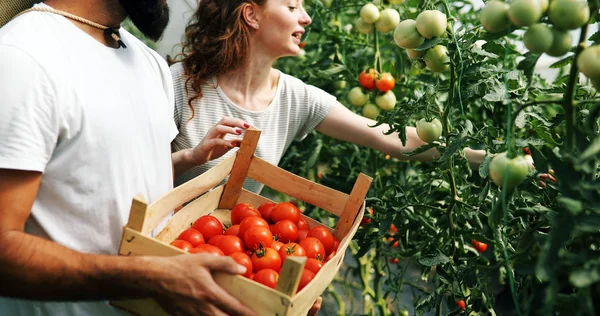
point(343, 124)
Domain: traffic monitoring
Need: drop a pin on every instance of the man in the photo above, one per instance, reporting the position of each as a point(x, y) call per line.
point(85, 125)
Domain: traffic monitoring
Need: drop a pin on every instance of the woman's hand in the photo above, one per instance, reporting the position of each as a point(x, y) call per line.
point(216, 143)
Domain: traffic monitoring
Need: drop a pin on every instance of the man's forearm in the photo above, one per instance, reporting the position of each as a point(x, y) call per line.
point(35, 268)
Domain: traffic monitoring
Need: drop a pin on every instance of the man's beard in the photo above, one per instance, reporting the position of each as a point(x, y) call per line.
point(149, 16)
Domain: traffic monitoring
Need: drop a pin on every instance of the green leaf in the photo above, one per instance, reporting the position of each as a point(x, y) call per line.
point(591, 151)
point(433, 260)
point(429, 43)
point(595, 38)
point(483, 194)
point(484, 53)
point(563, 62)
point(528, 64)
point(484, 167)
point(573, 206)
point(549, 260)
point(539, 160)
point(497, 93)
point(521, 119)
point(421, 149)
point(428, 303)
point(585, 277)
point(455, 145)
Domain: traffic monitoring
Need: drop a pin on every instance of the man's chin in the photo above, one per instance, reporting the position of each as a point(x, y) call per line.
point(149, 16)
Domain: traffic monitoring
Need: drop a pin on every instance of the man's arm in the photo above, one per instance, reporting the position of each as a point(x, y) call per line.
point(43, 270)
point(343, 124)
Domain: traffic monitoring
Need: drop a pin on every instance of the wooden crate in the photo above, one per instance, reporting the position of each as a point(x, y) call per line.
point(208, 197)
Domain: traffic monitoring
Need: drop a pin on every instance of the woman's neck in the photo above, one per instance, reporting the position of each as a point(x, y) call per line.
point(251, 86)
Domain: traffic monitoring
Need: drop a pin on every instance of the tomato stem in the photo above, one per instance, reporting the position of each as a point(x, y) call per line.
point(458, 51)
point(570, 92)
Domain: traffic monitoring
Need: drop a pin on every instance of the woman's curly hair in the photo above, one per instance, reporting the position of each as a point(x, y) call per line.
point(216, 40)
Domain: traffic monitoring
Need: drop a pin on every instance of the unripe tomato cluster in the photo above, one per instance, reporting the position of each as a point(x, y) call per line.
point(588, 63)
point(385, 99)
point(552, 39)
point(260, 239)
point(383, 21)
point(411, 34)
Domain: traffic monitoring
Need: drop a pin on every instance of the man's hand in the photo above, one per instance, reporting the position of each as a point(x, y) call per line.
point(214, 144)
point(186, 285)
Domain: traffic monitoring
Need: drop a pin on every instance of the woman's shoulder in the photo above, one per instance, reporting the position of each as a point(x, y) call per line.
point(177, 70)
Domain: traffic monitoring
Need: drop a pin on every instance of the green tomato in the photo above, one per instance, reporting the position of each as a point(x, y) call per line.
point(362, 27)
point(431, 23)
point(406, 34)
point(429, 131)
point(369, 13)
point(357, 97)
point(494, 16)
point(513, 170)
point(339, 84)
point(437, 58)
point(403, 312)
point(413, 54)
point(371, 111)
point(561, 43)
point(524, 12)
point(396, 1)
point(588, 62)
point(544, 4)
point(386, 101)
point(569, 14)
point(388, 20)
point(538, 38)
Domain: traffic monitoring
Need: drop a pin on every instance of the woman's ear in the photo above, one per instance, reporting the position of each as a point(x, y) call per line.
point(251, 15)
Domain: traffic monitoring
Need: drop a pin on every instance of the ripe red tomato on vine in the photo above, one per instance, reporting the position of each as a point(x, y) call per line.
point(385, 82)
point(479, 246)
point(367, 79)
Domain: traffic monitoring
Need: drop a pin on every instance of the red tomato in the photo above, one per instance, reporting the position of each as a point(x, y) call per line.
point(192, 236)
point(336, 244)
point(367, 79)
point(324, 235)
point(251, 222)
point(257, 236)
point(461, 304)
point(479, 246)
point(330, 256)
point(206, 248)
point(314, 248)
point(285, 231)
point(285, 210)
point(302, 44)
point(268, 277)
point(214, 241)
point(306, 277)
point(233, 230)
point(367, 219)
point(385, 82)
point(302, 223)
point(394, 260)
point(393, 229)
point(265, 210)
point(244, 260)
point(313, 265)
point(395, 244)
point(291, 249)
point(230, 244)
point(182, 244)
point(277, 245)
point(241, 211)
point(209, 226)
point(302, 233)
point(266, 258)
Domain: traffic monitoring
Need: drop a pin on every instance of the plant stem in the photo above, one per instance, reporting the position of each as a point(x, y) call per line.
point(458, 51)
point(570, 92)
point(377, 62)
point(446, 133)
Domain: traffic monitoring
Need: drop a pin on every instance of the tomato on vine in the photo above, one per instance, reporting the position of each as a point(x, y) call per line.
point(515, 170)
point(385, 82)
point(479, 246)
point(366, 79)
point(429, 131)
point(461, 304)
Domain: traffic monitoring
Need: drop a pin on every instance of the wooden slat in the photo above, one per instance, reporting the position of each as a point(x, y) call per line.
point(261, 299)
point(135, 243)
point(290, 275)
point(184, 219)
point(290, 184)
point(185, 192)
point(137, 213)
point(239, 172)
point(352, 205)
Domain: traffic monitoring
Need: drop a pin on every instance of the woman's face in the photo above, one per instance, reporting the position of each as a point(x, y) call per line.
point(281, 27)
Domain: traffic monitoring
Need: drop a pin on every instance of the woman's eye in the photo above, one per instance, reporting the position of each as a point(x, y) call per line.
point(292, 8)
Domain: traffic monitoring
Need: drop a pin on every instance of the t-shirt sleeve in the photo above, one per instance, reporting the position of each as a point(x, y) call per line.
point(179, 87)
point(29, 117)
point(319, 104)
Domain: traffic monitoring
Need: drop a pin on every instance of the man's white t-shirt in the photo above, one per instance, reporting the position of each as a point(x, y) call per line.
point(96, 121)
point(294, 112)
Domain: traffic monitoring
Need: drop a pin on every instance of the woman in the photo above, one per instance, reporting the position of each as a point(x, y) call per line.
point(226, 82)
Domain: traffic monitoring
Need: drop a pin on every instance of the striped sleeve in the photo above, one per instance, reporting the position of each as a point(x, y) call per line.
point(319, 104)
point(179, 87)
